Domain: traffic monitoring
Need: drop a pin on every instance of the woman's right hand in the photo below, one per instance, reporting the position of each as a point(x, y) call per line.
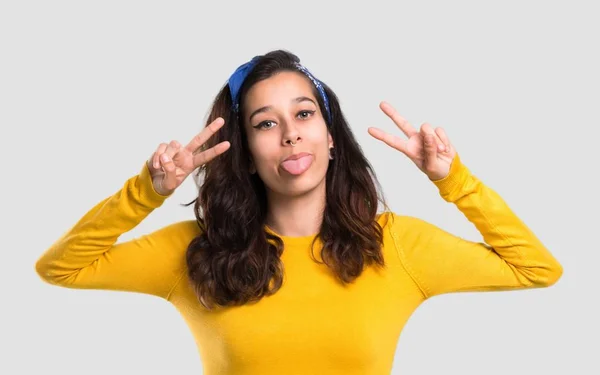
point(171, 163)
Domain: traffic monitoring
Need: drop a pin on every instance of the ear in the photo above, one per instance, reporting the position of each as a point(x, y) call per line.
point(329, 139)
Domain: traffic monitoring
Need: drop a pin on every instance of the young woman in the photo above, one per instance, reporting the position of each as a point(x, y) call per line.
point(289, 267)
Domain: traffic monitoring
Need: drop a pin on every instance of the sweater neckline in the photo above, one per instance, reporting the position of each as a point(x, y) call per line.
point(292, 240)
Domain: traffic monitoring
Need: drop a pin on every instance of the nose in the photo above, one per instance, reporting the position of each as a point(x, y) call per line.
point(292, 142)
point(291, 136)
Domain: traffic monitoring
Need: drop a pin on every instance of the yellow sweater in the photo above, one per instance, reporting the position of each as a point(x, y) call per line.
point(312, 325)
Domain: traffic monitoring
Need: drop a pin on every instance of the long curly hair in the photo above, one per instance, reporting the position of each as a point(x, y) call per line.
point(234, 259)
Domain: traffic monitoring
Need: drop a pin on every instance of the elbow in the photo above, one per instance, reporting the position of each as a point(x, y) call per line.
point(45, 272)
point(542, 275)
point(42, 270)
point(552, 273)
point(52, 272)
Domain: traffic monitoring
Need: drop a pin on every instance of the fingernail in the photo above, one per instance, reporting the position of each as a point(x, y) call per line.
point(164, 158)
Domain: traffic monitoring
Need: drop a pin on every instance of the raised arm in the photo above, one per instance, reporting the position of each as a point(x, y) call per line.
point(509, 257)
point(87, 256)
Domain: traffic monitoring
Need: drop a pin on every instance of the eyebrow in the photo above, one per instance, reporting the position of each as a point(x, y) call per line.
point(299, 99)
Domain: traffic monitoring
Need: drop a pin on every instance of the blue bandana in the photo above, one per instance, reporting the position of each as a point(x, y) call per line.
point(237, 79)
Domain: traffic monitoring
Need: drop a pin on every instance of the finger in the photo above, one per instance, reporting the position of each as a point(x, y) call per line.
point(400, 121)
point(430, 150)
point(173, 148)
point(444, 138)
point(169, 181)
point(208, 155)
point(205, 134)
point(169, 151)
point(389, 139)
point(159, 151)
point(426, 127)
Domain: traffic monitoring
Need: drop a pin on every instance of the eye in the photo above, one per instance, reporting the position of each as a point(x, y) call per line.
point(307, 112)
point(263, 124)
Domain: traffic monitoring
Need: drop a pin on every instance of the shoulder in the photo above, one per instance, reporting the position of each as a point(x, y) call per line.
point(175, 238)
point(186, 228)
point(401, 224)
point(183, 227)
point(410, 233)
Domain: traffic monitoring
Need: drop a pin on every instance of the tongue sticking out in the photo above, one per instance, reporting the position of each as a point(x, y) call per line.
point(298, 166)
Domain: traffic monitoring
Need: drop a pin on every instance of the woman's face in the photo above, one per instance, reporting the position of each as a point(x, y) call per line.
point(279, 112)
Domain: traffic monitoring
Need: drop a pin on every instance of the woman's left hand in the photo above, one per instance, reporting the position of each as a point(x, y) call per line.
point(429, 148)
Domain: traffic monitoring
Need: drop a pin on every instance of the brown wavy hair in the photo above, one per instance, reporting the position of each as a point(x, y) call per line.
point(235, 260)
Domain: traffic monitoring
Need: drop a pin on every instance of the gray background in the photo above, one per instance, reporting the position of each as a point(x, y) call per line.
point(89, 89)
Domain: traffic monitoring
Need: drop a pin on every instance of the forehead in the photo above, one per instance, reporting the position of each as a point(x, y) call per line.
point(280, 88)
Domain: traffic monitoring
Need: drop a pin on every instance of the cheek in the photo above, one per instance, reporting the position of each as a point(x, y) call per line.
point(264, 153)
point(319, 144)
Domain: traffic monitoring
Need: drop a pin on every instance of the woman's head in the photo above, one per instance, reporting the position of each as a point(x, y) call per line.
point(275, 108)
point(288, 139)
point(283, 112)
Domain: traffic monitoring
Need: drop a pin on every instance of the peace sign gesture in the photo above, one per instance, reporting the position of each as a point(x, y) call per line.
point(171, 163)
point(429, 149)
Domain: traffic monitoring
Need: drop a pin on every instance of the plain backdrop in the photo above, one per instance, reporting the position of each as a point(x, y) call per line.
point(88, 89)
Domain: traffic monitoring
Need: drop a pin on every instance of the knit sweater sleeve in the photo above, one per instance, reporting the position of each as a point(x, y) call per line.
point(509, 257)
point(88, 256)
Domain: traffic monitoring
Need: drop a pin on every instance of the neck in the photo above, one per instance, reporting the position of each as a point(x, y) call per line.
point(298, 216)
